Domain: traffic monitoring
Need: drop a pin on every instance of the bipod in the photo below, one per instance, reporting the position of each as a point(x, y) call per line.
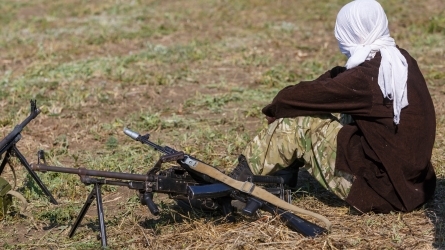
point(12, 150)
point(95, 194)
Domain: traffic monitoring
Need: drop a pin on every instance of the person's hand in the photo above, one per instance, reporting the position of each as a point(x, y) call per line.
point(270, 119)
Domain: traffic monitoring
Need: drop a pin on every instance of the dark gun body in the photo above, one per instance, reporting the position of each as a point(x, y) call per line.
point(182, 182)
point(8, 146)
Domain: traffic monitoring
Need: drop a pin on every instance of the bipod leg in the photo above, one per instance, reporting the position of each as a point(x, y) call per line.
point(100, 214)
point(95, 194)
point(82, 213)
point(5, 160)
point(33, 174)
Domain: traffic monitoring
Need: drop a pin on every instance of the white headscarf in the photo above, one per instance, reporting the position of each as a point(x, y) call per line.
point(362, 30)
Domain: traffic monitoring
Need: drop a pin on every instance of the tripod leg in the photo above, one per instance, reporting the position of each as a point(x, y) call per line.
point(84, 210)
point(33, 174)
point(5, 160)
point(100, 214)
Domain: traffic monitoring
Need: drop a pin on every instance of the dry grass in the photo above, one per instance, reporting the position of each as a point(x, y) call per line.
point(195, 74)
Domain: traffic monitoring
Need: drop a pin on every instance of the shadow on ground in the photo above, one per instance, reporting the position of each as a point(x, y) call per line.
point(435, 211)
point(308, 185)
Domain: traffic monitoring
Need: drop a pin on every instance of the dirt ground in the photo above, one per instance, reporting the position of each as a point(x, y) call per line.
point(195, 75)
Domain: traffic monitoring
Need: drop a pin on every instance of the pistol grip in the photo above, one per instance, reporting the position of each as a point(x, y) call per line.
point(146, 199)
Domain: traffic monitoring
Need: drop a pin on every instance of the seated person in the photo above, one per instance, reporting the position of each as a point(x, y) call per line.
point(375, 154)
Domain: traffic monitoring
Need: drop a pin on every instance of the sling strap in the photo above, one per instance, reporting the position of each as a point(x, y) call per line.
point(21, 198)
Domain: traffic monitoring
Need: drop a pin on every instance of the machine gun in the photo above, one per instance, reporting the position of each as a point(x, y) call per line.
point(8, 145)
point(182, 183)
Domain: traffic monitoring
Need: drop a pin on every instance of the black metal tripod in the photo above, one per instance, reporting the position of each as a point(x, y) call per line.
point(12, 151)
point(95, 194)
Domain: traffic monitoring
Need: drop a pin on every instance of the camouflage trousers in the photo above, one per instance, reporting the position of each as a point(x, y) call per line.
point(310, 139)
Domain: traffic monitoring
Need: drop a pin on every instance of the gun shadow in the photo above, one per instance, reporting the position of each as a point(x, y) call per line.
point(180, 212)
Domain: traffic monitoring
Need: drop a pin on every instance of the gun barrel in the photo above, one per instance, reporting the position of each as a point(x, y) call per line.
point(144, 140)
point(18, 128)
point(134, 135)
point(29, 118)
point(87, 172)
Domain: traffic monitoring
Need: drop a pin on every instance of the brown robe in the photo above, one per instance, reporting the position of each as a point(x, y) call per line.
point(391, 163)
